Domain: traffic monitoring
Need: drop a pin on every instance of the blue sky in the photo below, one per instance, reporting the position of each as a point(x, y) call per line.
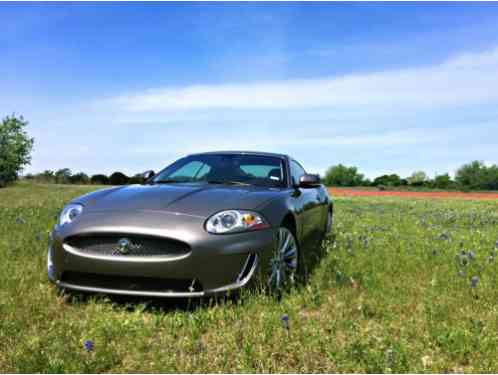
point(390, 88)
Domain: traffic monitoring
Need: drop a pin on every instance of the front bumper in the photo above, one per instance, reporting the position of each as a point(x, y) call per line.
point(214, 264)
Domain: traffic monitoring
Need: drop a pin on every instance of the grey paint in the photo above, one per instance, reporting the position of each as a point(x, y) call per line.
point(179, 212)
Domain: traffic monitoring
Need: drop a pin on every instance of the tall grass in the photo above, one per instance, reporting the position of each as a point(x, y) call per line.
point(402, 286)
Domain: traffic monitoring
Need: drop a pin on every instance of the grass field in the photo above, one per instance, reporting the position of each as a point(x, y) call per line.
point(402, 286)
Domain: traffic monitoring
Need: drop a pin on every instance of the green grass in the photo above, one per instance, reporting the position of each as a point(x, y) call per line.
point(386, 297)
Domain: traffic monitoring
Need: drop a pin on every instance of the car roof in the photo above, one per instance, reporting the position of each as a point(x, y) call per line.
point(257, 153)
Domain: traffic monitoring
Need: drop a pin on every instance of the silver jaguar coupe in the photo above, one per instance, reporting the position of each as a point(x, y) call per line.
point(207, 224)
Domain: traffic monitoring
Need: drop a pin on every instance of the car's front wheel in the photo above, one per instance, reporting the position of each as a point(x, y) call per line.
point(283, 264)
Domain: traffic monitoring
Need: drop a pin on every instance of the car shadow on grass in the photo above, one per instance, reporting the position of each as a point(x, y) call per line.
point(150, 304)
point(313, 257)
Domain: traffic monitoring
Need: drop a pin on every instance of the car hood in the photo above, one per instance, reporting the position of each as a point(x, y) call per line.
point(178, 198)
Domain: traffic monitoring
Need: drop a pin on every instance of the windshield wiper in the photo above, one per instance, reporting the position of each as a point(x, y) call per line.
point(227, 182)
point(164, 182)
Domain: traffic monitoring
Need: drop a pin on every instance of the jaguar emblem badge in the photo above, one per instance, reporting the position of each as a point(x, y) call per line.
point(124, 246)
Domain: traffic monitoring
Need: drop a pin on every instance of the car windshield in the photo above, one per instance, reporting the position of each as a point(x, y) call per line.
point(232, 169)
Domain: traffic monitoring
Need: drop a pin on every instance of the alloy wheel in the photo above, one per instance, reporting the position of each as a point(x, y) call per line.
point(284, 261)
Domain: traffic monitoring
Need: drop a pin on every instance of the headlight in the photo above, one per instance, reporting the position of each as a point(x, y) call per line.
point(235, 221)
point(69, 213)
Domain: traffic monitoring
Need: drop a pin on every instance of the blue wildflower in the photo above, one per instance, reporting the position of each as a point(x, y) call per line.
point(471, 254)
point(474, 281)
point(88, 345)
point(444, 236)
point(20, 220)
point(285, 321)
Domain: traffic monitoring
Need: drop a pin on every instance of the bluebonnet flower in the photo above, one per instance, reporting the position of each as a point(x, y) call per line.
point(444, 236)
point(496, 244)
point(474, 281)
point(20, 220)
point(471, 254)
point(285, 321)
point(88, 345)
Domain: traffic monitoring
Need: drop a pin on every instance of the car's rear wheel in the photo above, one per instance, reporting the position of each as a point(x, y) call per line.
point(284, 262)
point(328, 225)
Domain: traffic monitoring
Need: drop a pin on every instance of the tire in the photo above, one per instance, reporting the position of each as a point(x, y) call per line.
point(283, 265)
point(329, 222)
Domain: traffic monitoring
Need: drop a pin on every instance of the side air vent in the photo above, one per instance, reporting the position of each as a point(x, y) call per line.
point(248, 267)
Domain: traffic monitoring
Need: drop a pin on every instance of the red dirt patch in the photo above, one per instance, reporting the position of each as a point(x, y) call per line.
point(350, 192)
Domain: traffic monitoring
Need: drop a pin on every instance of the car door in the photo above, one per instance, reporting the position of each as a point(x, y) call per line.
point(307, 203)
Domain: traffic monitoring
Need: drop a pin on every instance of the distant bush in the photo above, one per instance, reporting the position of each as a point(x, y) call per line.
point(388, 180)
point(63, 176)
point(79, 179)
point(118, 178)
point(418, 178)
point(136, 179)
point(99, 179)
point(442, 181)
point(340, 175)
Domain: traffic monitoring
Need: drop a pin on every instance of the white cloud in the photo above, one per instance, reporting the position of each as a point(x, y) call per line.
point(465, 79)
point(267, 142)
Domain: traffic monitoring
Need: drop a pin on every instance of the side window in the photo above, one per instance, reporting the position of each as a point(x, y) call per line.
point(296, 171)
point(190, 172)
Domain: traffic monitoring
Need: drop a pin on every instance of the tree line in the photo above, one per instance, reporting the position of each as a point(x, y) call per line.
point(16, 147)
point(65, 176)
point(472, 176)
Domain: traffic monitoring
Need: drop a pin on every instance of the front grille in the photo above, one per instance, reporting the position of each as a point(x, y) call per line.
point(144, 284)
point(137, 246)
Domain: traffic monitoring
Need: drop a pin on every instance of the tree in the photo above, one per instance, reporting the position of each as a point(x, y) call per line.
point(442, 181)
point(340, 175)
point(387, 180)
point(492, 177)
point(417, 178)
point(63, 176)
point(99, 179)
point(472, 175)
point(476, 175)
point(47, 176)
point(79, 179)
point(118, 178)
point(15, 148)
point(137, 179)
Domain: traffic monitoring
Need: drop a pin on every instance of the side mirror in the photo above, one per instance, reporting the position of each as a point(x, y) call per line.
point(309, 181)
point(148, 174)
